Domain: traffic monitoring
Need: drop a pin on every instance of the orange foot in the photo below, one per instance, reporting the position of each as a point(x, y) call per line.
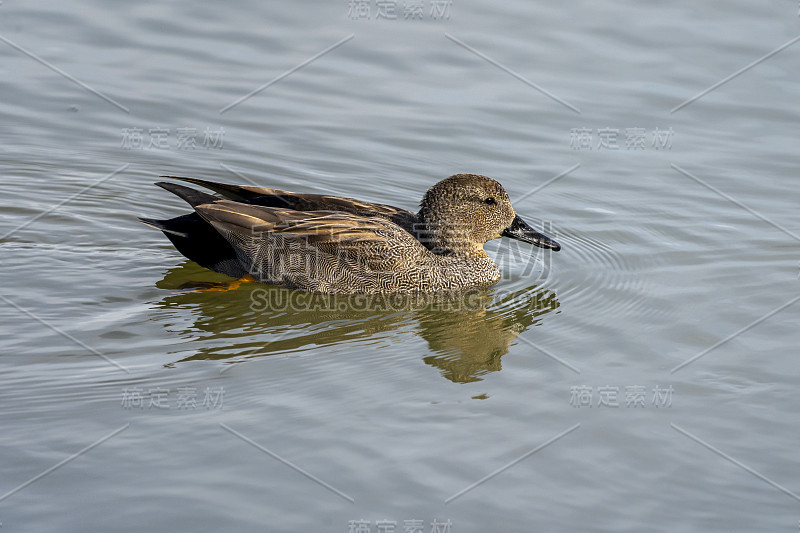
point(227, 286)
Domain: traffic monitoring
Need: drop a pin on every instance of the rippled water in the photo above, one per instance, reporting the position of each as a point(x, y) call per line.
point(133, 400)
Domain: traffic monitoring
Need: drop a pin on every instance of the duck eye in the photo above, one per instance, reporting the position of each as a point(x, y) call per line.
point(490, 201)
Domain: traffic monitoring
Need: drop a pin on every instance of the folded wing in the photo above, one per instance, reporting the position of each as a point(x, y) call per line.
point(372, 243)
point(279, 198)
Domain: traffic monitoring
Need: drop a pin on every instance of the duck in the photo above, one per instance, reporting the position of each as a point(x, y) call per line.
point(332, 244)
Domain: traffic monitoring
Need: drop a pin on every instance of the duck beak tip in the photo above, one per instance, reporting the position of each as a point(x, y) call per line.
point(521, 231)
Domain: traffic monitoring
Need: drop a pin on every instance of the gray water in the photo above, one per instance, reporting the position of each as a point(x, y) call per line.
point(642, 379)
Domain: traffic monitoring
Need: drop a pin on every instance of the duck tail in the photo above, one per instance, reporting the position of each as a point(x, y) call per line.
point(163, 225)
point(191, 196)
point(197, 240)
point(237, 193)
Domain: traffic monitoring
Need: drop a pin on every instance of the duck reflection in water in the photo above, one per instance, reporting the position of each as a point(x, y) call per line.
point(467, 335)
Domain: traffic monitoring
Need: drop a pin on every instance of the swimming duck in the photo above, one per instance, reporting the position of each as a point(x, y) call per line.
point(335, 244)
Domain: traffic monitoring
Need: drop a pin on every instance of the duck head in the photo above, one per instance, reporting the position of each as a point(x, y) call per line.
point(461, 213)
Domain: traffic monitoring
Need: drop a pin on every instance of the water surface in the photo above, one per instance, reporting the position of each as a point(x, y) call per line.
point(202, 411)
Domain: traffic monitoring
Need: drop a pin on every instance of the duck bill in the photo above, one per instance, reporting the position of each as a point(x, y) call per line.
point(521, 231)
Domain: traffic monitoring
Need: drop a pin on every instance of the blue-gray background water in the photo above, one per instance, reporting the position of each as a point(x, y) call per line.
point(559, 402)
